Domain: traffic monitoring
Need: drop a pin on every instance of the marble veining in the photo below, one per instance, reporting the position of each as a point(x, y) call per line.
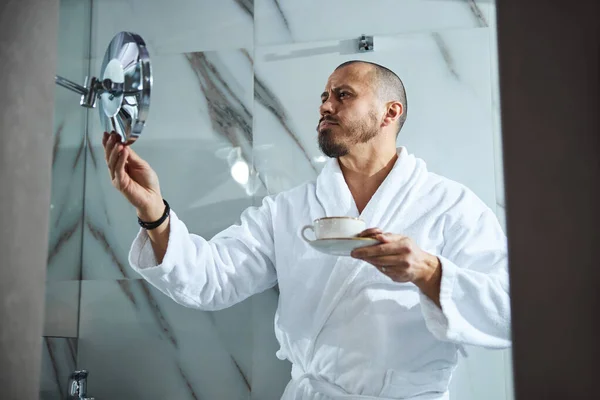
point(100, 237)
point(157, 314)
point(284, 18)
point(269, 100)
point(57, 135)
point(237, 366)
point(66, 202)
point(59, 356)
point(91, 151)
point(174, 351)
point(477, 13)
point(228, 118)
point(57, 243)
point(292, 21)
point(127, 324)
point(441, 68)
point(439, 41)
point(128, 330)
point(80, 151)
point(126, 288)
point(94, 152)
point(63, 207)
point(50, 350)
point(247, 54)
point(141, 286)
point(247, 6)
point(187, 383)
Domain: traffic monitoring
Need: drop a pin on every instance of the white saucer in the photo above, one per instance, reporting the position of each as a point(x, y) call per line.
point(341, 246)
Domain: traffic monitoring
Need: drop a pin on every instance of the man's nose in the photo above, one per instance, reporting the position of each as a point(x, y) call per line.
point(326, 107)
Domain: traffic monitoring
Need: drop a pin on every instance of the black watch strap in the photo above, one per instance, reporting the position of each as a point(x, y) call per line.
point(153, 225)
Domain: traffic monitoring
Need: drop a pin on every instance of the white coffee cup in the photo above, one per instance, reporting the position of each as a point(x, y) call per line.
point(335, 228)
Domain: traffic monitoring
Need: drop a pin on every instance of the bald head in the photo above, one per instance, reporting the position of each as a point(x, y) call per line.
point(389, 86)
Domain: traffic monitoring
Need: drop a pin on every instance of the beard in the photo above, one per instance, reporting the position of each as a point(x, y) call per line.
point(357, 132)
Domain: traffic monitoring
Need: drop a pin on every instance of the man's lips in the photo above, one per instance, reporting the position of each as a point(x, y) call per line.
point(327, 122)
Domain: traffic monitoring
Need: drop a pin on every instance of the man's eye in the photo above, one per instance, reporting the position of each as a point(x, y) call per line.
point(343, 94)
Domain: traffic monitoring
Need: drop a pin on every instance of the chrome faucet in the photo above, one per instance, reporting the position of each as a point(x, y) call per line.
point(78, 386)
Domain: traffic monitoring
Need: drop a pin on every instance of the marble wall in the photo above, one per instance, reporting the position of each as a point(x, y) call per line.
point(67, 204)
point(58, 361)
point(238, 81)
point(66, 209)
point(200, 124)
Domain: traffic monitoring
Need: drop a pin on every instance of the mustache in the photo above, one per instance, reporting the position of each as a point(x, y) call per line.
point(329, 118)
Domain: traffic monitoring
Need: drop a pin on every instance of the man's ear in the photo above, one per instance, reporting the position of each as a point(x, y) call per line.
point(395, 110)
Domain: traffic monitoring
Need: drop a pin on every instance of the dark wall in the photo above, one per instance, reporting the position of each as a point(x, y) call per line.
point(28, 48)
point(548, 52)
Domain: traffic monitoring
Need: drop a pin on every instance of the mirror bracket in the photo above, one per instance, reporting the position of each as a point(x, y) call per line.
point(366, 43)
point(124, 99)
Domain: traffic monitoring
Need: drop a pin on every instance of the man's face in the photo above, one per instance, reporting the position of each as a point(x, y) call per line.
point(349, 110)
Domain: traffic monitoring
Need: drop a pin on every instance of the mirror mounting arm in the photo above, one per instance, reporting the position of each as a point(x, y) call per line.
point(91, 91)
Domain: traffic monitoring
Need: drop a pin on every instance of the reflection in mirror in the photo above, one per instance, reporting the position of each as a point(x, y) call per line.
point(217, 295)
point(124, 108)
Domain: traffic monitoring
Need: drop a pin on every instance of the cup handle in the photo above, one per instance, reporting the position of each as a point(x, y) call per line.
point(304, 230)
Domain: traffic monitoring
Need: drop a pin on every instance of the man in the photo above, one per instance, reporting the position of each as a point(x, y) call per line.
point(385, 323)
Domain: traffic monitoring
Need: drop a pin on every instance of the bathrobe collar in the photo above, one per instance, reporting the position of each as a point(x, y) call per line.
point(335, 197)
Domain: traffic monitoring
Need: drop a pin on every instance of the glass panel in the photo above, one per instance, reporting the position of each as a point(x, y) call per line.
point(130, 333)
point(66, 209)
point(446, 54)
point(235, 102)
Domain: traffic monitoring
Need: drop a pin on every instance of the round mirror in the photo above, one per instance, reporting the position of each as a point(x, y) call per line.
point(126, 79)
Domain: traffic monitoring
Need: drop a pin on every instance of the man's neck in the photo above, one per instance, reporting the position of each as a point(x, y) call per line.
point(366, 160)
point(365, 171)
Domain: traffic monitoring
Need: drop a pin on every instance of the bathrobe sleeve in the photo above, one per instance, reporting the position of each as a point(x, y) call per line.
point(211, 274)
point(474, 291)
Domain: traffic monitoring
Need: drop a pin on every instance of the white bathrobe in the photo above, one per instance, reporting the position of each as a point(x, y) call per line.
point(349, 330)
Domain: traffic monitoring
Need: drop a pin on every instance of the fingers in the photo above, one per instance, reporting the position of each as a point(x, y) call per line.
point(109, 140)
point(108, 143)
point(378, 234)
point(391, 261)
point(370, 232)
point(119, 172)
point(387, 237)
point(134, 157)
point(383, 249)
point(113, 158)
point(105, 137)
